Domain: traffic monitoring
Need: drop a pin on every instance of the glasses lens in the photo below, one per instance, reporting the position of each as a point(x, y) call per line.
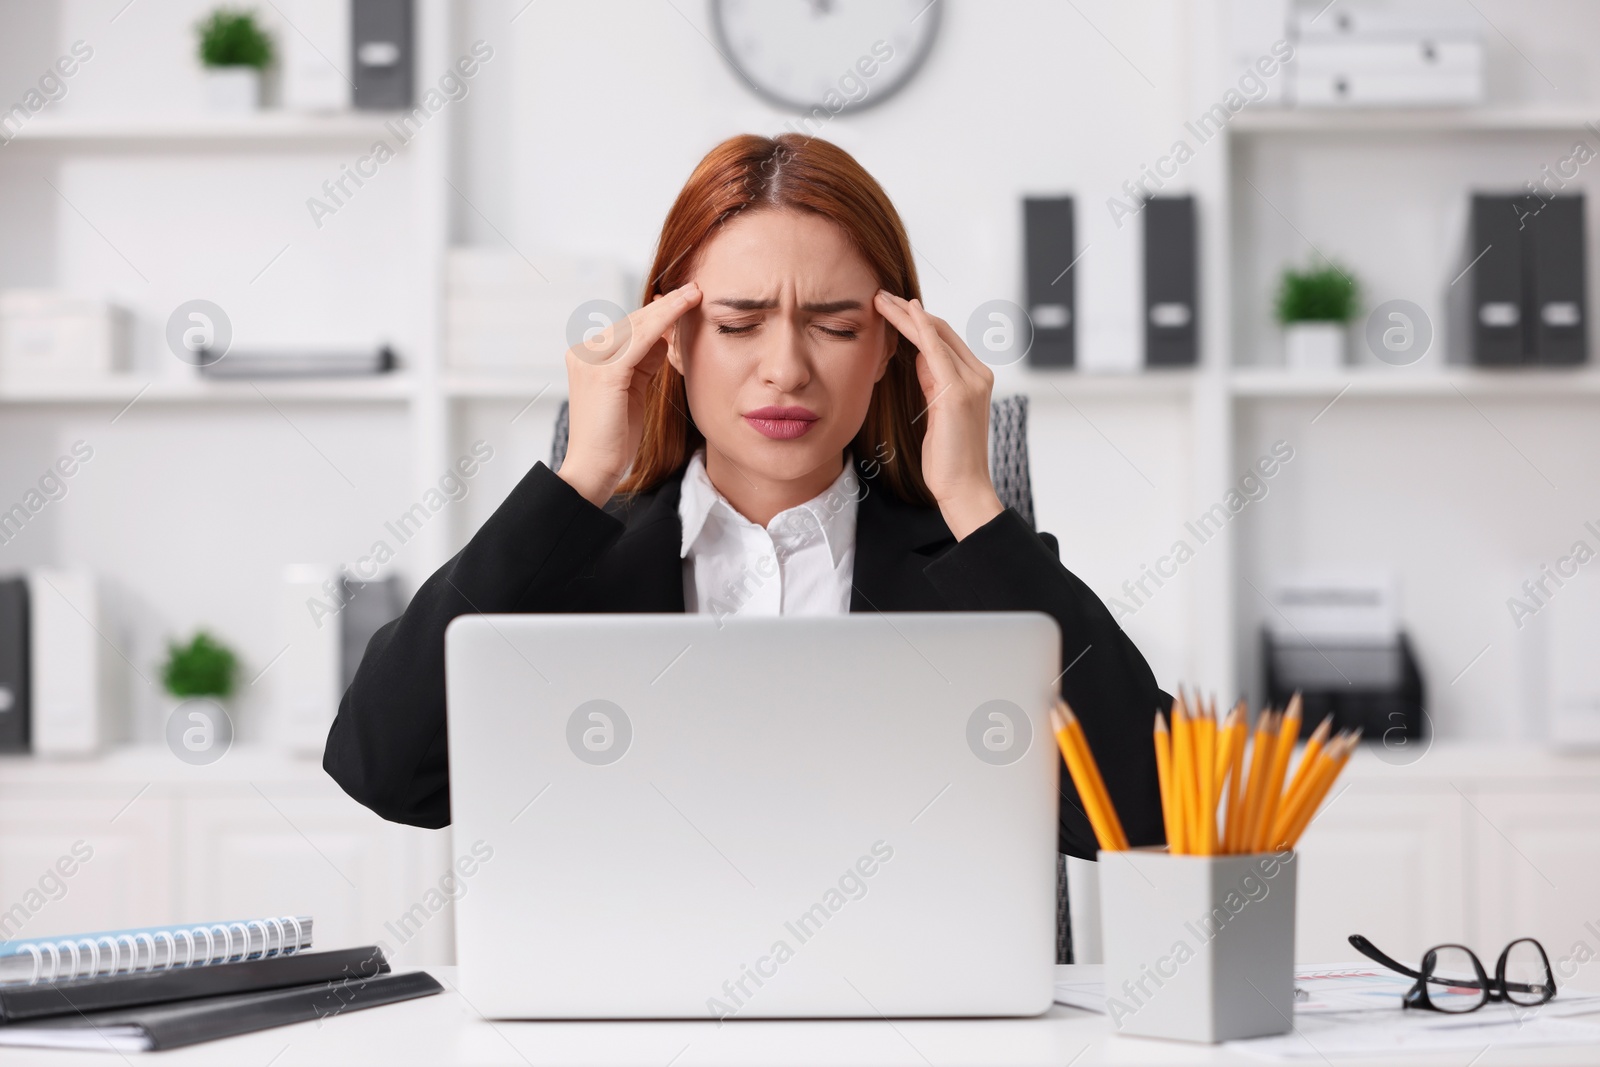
point(1453, 983)
point(1528, 978)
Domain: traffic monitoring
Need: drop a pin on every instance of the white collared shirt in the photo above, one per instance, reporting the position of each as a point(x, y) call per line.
point(800, 563)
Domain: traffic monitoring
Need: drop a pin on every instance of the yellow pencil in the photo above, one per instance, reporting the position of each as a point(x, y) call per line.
point(1272, 796)
point(1182, 772)
point(1237, 730)
point(1262, 747)
point(1168, 796)
point(1086, 776)
point(1205, 826)
point(1332, 761)
point(1297, 784)
point(1080, 779)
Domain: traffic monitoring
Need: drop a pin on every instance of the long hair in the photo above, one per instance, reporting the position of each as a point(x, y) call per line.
point(796, 173)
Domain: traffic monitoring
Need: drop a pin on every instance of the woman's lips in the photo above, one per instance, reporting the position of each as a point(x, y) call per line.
point(781, 423)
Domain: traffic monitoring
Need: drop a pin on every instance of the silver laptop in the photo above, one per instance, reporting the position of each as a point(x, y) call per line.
point(676, 817)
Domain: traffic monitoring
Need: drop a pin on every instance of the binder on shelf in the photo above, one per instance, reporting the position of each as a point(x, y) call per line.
point(311, 83)
point(1488, 297)
point(1557, 304)
point(308, 364)
point(75, 700)
point(382, 53)
point(1049, 243)
point(1521, 297)
point(368, 606)
point(1171, 330)
point(14, 688)
point(306, 684)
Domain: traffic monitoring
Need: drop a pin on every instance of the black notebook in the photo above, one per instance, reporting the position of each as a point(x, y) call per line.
point(22, 1002)
point(187, 1022)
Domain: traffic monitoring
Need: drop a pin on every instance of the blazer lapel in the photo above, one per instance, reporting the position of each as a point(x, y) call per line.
point(894, 542)
point(643, 572)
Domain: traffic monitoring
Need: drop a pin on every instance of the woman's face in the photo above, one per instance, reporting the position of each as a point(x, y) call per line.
point(780, 356)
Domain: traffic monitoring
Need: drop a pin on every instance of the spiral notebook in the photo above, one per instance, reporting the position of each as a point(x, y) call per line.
point(153, 948)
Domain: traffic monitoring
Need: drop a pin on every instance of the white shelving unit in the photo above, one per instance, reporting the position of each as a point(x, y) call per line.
point(131, 389)
point(1366, 121)
point(267, 127)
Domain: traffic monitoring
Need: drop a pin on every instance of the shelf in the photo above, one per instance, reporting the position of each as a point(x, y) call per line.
point(501, 385)
point(1267, 383)
point(1048, 386)
point(124, 388)
point(263, 127)
point(1263, 120)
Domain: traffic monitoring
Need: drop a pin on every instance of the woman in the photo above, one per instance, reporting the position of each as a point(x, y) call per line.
point(781, 429)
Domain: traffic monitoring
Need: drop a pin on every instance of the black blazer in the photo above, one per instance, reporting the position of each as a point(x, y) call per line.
point(547, 549)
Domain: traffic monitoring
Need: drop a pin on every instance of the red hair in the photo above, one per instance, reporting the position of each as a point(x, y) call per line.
point(795, 173)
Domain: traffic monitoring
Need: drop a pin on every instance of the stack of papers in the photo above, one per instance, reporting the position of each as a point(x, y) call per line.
point(1353, 1009)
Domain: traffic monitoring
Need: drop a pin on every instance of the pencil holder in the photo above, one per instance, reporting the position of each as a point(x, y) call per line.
point(1199, 948)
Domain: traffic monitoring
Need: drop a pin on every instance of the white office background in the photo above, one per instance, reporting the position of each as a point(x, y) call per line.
point(572, 141)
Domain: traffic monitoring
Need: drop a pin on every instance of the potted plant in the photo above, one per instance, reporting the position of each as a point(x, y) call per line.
point(199, 675)
point(1314, 306)
point(234, 50)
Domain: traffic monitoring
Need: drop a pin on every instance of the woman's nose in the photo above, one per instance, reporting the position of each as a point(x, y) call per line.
point(783, 359)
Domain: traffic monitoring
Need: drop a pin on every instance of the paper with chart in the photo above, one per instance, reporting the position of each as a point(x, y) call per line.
point(1353, 1009)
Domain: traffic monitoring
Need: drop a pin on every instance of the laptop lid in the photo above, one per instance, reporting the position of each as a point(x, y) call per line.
point(688, 817)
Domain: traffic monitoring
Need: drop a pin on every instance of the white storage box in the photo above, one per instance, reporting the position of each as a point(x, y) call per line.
point(500, 315)
point(48, 335)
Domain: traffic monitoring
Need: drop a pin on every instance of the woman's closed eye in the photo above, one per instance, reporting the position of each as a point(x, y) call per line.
point(841, 331)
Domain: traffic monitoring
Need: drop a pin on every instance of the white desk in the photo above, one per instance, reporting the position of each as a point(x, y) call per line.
point(444, 1031)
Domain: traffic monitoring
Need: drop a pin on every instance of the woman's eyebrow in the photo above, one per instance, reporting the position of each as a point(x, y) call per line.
point(737, 303)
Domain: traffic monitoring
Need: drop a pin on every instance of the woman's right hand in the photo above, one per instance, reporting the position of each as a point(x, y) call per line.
point(606, 381)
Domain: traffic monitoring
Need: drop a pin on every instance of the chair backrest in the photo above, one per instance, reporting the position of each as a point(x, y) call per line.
point(1009, 470)
point(1008, 451)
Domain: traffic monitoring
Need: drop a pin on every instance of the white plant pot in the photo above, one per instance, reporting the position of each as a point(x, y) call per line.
point(1314, 345)
point(233, 90)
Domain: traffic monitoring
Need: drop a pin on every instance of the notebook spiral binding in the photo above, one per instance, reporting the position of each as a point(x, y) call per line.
point(283, 936)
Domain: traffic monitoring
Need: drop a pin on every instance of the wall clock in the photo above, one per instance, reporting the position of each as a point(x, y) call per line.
point(838, 55)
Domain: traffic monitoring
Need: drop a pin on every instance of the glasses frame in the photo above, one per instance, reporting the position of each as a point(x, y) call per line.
point(1496, 990)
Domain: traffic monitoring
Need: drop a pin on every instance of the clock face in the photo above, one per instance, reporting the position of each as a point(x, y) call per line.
point(833, 55)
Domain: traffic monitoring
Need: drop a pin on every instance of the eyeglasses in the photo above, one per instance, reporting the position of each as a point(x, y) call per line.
point(1522, 976)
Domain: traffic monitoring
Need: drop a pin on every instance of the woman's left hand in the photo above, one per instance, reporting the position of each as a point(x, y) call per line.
point(956, 386)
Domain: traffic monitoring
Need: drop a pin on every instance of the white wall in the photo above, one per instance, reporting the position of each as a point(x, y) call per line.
point(615, 102)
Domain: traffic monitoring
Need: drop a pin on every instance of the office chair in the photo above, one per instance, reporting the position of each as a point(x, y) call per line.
point(1008, 468)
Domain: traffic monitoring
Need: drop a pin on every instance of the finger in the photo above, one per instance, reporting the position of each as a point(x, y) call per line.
point(958, 345)
point(629, 340)
point(945, 362)
point(902, 314)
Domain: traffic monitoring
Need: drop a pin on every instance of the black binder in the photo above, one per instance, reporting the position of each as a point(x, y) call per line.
point(382, 54)
point(167, 1009)
point(1524, 279)
point(368, 607)
point(1171, 325)
point(1556, 311)
point(188, 1022)
point(20, 1002)
point(15, 713)
point(1048, 252)
point(1493, 316)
